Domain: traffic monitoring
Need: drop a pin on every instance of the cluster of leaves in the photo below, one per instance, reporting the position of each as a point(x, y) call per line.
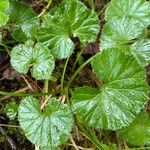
point(114, 105)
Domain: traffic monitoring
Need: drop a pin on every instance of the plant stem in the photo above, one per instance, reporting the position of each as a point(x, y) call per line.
point(63, 75)
point(78, 70)
point(45, 9)
point(22, 94)
point(90, 135)
point(6, 48)
point(46, 82)
point(46, 87)
point(143, 148)
point(7, 125)
point(77, 58)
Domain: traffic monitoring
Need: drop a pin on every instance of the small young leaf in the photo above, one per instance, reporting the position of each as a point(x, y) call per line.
point(123, 94)
point(138, 132)
point(138, 9)
point(4, 4)
point(70, 19)
point(120, 31)
point(25, 21)
point(11, 110)
point(39, 57)
point(49, 128)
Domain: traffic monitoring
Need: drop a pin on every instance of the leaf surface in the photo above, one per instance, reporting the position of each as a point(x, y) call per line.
point(48, 128)
point(120, 98)
point(70, 19)
point(25, 21)
point(4, 4)
point(24, 56)
point(141, 51)
point(120, 31)
point(138, 132)
point(138, 9)
point(11, 110)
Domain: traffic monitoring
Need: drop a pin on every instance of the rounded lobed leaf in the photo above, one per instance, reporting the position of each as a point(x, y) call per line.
point(48, 128)
point(123, 94)
point(4, 4)
point(141, 51)
point(70, 19)
point(138, 132)
point(138, 9)
point(25, 21)
point(120, 31)
point(11, 110)
point(39, 57)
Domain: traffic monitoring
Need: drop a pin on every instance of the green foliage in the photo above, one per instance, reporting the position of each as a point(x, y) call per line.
point(125, 28)
point(50, 127)
point(138, 9)
point(11, 110)
point(116, 103)
point(141, 51)
point(122, 90)
point(23, 20)
point(70, 19)
point(4, 4)
point(120, 31)
point(138, 132)
point(23, 56)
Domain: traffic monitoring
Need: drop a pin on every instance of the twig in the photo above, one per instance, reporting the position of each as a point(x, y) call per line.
point(28, 83)
point(8, 125)
point(10, 141)
point(82, 148)
point(45, 9)
point(45, 102)
point(119, 142)
point(73, 142)
point(37, 3)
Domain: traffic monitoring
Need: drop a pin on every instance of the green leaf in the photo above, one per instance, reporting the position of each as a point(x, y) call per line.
point(24, 20)
point(123, 94)
point(138, 9)
point(138, 132)
point(141, 51)
point(48, 128)
point(120, 31)
point(23, 56)
point(123, 33)
point(11, 110)
point(70, 19)
point(4, 4)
